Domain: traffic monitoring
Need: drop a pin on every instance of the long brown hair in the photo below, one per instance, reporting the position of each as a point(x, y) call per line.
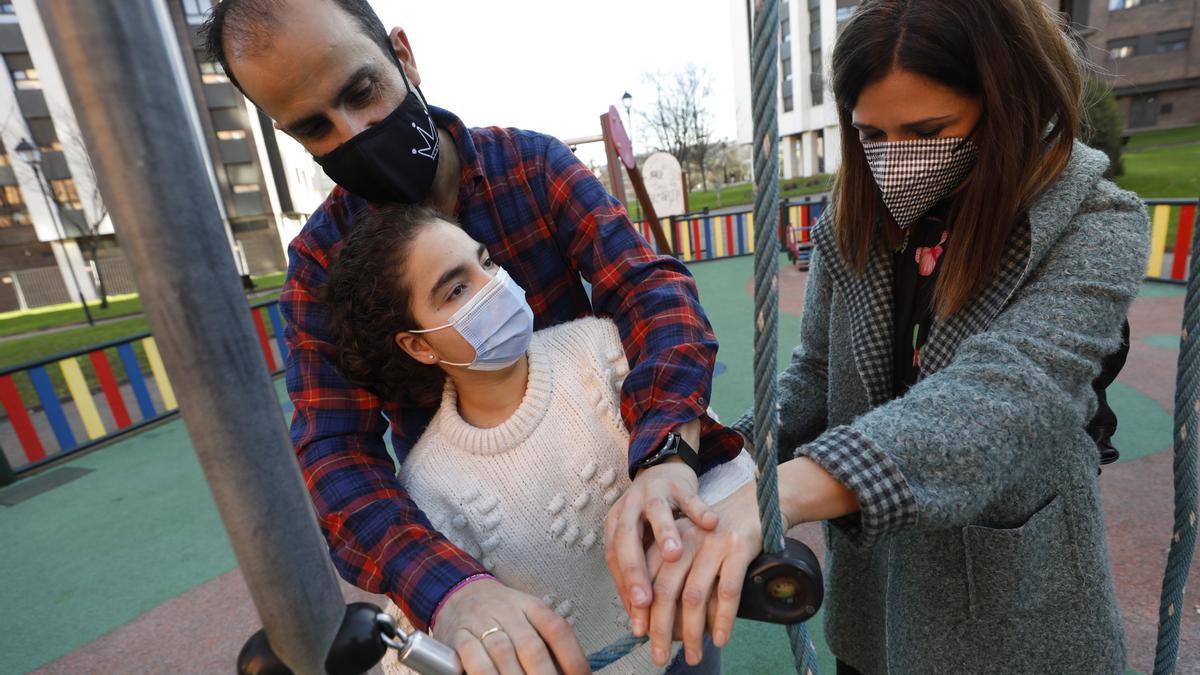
point(1017, 59)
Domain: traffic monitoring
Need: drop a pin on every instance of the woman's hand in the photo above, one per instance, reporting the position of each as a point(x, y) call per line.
point(699, 592)
point(715, 563)
point(531, 637)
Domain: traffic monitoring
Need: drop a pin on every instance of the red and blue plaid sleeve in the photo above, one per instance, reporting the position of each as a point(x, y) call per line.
point(653, 300)
point(379, 540)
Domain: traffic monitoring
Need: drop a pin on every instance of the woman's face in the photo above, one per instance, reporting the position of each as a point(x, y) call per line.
point(904, 106)
point(444, 270)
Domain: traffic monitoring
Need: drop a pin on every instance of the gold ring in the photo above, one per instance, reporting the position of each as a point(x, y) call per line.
point(493, 629)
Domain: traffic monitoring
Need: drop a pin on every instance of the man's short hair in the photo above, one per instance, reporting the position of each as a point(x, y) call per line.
point(252, 22)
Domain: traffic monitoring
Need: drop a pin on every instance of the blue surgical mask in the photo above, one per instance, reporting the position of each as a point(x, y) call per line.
point(497, 322)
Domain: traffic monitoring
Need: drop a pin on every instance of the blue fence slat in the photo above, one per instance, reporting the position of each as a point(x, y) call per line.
point(708, 238)
point(277, 326)
point(741, 233)
point(52, 408)
point(136, 382)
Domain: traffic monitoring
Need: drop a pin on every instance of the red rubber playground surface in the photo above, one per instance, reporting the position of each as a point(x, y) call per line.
point(116, 561)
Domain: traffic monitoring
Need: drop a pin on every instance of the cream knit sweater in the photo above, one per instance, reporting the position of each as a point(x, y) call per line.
point(528, 498)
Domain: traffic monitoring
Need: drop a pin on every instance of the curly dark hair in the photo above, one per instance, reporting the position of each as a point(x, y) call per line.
point(369, 302)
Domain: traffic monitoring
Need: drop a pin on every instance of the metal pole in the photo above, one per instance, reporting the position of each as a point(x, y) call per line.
point(21, 302)
point(121, 77)
point(56, 216)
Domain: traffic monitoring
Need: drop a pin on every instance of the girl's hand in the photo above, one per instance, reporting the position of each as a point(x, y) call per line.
point(531, 637)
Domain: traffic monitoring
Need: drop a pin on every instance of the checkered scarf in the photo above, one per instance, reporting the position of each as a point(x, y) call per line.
point(914, 175)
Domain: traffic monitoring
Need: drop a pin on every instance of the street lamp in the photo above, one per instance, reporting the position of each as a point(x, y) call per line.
point(31, 155)
point(627, 101)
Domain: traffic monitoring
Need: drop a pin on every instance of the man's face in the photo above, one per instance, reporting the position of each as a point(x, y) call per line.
point(319, 77)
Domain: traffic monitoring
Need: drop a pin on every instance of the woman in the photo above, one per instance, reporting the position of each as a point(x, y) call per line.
point(527, 450)
point(973, 272)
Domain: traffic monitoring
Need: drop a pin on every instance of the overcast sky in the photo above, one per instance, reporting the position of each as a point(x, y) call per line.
point(556, 65)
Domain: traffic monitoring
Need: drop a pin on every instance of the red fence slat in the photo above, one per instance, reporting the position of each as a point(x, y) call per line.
point(10, 398)
point(112, 393)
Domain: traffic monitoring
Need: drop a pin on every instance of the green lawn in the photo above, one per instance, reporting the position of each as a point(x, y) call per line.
point(1162, 137)
point(21, 350)
point(14, 323)
point(742, 194)
point(40, 318)
point(1163, 172)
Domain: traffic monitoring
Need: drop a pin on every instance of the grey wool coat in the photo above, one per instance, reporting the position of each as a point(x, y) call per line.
point(980, 545)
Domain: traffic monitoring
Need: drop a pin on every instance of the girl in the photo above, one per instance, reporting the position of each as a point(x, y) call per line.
point(527, 450)
point(974, 271)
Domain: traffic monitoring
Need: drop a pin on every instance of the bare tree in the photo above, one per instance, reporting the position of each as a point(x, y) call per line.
point(679, 118)
point(87, 229)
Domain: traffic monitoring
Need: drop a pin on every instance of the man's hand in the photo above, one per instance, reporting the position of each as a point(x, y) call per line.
point(531, 637)
point(652, 499)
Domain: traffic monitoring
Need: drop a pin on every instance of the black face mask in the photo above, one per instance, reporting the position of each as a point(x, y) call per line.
point(392, 161)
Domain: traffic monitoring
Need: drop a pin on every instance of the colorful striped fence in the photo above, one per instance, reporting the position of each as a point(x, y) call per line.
point(704, 236)
point(60, 419)
point(700, 236)
point(1172, 222)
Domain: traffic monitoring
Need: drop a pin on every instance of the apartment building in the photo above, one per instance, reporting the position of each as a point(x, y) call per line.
point(51, 213)
point(1144, 48)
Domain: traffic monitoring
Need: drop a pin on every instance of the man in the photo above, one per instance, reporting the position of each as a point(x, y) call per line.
point(331, 77)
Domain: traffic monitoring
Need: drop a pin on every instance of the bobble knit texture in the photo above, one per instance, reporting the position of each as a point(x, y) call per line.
point(528, 498)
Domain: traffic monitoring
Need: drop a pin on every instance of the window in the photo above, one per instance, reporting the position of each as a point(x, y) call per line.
point(65, 193)
point(42, 130)
point(196, 10)
point(226, 119)
point(10, 197)
point(1172, 41)
point(1123, 48)
point(816, 82)
point(243, 177)
point(232, 135)
point(785, 58)
point(20, 67)
point(1114, 5)
point(211, 72)
point(8, 219)
point(1167, 109)
point(7, 8)
point(844, 12)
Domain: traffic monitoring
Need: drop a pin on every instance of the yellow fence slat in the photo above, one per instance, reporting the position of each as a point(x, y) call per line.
point(82, 395)
point(750, 232)
point(160, 374)
point(718, 226)
point(1158, 239)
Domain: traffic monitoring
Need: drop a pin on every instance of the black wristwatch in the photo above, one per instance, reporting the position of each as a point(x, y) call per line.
point(674, 446)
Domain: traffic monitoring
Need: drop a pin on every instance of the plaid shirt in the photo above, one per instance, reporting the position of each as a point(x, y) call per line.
point(546, 219)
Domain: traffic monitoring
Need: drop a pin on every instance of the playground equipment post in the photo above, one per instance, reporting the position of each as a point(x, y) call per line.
point(137, 121)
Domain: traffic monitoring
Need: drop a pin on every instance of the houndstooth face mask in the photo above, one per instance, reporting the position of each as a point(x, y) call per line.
point(914, 175)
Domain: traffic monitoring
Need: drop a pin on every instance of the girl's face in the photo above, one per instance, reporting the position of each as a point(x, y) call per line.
point(904, 106)
point(444, 270)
